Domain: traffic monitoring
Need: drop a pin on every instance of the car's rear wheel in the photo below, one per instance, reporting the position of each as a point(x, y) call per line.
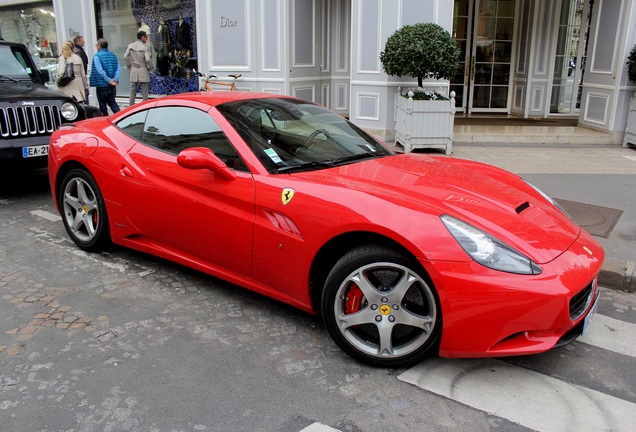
point(380, 309)
point(83, 210)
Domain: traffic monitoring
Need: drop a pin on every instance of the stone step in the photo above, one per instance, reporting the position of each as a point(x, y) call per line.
point(467, 134)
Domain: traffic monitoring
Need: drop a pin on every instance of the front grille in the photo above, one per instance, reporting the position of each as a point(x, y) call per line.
point(24, 121)
point(581, 301)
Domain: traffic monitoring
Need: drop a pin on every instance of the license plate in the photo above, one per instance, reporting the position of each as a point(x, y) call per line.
point(588, 318)
point(35, 151)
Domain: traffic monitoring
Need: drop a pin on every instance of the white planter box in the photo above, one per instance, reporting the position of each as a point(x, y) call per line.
point(424, 123)
point(630, 132)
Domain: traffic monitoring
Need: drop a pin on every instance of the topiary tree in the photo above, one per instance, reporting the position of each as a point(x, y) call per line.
point(424, 50)
point(631, 65)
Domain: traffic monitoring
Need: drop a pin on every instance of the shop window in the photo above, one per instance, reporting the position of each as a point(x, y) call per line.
point(34, 26)
point(172, 42)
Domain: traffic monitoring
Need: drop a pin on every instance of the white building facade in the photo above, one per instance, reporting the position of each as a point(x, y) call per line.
point(527, 58)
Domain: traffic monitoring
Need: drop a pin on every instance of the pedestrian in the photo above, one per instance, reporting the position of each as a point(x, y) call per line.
point(77, 87)
point(78, 41)
point(139, 62)
point(105, 71)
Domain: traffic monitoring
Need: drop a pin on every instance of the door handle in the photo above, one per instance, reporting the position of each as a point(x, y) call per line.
point(467, 73)
point(125, 171)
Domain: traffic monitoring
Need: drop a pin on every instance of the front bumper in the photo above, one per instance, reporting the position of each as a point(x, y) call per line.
point(11, 151)
point(490, 314)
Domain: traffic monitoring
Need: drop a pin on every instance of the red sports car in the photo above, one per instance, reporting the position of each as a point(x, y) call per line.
point(404, 255)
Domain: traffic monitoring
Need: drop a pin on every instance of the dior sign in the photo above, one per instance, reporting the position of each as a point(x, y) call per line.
point(226, 22)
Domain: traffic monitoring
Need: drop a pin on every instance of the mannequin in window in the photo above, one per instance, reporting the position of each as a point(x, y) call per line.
point(182, 35)
point(146, 28)
point(162, 47)
point(162, 44)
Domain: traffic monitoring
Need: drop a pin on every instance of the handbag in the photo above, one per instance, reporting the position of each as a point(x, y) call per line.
point(69, 75)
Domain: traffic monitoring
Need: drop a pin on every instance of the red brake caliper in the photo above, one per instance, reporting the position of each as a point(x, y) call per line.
point(353, 299)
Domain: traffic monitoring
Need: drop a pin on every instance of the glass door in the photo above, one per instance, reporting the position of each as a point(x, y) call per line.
point(571, 55)
point(483, 30)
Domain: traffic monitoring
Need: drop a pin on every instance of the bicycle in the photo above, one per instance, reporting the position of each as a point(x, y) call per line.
point(206, 82)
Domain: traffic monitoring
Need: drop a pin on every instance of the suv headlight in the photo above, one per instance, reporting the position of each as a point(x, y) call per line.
point(487, 250)
point(69, 111)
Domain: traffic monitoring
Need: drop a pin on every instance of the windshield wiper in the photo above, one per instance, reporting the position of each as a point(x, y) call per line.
point(328, 163)
point(354, 158)
point(306, 165)
point(9, 78)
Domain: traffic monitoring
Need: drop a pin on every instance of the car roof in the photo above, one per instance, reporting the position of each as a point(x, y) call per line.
point(195, 98)
point(216, 98)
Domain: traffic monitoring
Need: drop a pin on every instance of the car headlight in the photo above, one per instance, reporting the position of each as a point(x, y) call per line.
point(69, 111)
point(552, 200)
point(487, 250)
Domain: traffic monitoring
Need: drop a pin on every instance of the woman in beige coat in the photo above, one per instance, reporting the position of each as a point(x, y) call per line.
point(77, 87)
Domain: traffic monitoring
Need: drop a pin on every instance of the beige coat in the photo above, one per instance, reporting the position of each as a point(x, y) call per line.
point(138, 61)
point(78, 86)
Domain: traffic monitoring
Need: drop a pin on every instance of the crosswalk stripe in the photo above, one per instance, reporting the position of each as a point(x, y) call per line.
point(319, 427)
point(611, 334)
point(51, 217)
point(528, 398)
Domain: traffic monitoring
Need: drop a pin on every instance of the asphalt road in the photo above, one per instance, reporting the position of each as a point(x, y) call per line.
point(122, 341)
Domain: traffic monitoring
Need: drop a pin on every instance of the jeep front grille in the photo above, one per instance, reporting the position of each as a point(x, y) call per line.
point(29, 120)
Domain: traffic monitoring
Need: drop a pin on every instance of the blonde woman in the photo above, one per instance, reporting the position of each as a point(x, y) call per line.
point(77, 87)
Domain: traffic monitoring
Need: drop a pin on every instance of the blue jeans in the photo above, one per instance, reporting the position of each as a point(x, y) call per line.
point(106, 98)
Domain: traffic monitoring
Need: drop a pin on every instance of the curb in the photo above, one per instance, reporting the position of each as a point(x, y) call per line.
point(618, 274)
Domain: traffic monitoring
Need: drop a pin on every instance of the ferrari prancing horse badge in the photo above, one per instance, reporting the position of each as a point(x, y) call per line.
point(288, 194)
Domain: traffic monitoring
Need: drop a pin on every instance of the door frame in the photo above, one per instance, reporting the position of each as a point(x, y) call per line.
point(470, 64)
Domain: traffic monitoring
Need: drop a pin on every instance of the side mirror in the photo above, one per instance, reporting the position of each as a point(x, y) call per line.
point(196, 158)
point(44, 74)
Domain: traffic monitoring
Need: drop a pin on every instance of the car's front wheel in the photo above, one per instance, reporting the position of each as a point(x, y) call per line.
point(83, 210)
point(380, 309)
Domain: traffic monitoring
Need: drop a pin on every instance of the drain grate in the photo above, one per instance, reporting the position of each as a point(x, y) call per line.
point(596, 220)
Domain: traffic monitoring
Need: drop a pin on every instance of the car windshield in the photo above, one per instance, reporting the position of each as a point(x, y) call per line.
point(290, 135)
point(13, 66)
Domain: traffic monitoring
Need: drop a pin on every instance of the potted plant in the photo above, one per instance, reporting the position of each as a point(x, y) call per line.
point(630, 131)
point(424, 118)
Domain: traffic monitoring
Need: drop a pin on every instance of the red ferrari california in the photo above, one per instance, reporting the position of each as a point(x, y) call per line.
point(404, 255)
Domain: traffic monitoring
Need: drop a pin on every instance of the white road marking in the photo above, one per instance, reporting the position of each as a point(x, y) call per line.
point(528, 398)
point(611, 334)
point(319, 427)
point(630, 157)
point(47, 215)
point(115, 263)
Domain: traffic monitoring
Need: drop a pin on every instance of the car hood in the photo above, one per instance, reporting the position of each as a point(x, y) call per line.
point(28, 90)
point(494, 200)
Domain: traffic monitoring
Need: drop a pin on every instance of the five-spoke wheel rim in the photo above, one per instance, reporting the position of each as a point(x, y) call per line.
point(385, 310)
point(81, 210)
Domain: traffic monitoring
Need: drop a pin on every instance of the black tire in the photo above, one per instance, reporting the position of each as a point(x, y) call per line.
point(83, 210)
point(380, 308)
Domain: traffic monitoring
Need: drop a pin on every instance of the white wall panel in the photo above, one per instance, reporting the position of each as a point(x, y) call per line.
point(229, 25)
point(369, 40)
point(270, 37)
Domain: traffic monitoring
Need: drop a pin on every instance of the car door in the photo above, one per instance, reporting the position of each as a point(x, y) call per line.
point(193, 213)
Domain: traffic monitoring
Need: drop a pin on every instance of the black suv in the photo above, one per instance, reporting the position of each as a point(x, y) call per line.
point(29, 111)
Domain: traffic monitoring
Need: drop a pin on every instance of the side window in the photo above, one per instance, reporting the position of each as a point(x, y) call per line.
point(174, 129)
point(133, 125)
